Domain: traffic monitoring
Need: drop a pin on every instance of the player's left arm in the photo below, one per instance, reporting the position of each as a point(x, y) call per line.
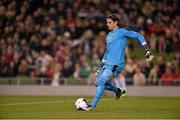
point(141, 39)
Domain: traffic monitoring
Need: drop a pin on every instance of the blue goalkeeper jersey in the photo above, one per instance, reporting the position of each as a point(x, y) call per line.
point(116, 42)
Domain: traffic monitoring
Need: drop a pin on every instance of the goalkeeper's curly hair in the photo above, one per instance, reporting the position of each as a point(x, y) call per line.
point(115, 17)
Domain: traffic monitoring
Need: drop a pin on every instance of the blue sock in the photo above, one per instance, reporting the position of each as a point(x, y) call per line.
point(110, 87)
point(99, 92)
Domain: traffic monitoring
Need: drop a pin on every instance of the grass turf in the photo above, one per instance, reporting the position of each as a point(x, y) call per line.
point(46, 107)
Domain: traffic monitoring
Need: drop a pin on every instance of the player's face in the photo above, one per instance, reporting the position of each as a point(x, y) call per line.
point(111, 24)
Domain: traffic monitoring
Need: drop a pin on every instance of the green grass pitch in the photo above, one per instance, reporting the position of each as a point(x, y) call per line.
point(46, 107)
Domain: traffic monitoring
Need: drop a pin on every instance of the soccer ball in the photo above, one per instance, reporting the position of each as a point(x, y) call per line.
point(81, 103)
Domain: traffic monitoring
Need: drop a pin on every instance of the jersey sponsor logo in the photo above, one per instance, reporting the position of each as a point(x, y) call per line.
point(109, 39)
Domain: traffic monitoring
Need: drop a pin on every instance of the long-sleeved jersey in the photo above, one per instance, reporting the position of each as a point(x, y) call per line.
point(116, 42)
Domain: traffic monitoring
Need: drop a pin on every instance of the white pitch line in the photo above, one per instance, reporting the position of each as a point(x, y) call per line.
point(45, 102)
point(31, 103)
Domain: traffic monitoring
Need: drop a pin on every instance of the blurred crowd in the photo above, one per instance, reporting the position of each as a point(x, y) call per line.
point(66, 38)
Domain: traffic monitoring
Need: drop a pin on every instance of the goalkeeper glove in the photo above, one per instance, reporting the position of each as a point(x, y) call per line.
point(148, 54)
point(101, 63)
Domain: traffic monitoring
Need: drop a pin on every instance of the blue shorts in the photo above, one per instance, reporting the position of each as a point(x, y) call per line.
point(107, 73)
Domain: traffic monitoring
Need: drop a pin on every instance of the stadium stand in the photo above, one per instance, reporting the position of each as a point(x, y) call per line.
point(62, 39)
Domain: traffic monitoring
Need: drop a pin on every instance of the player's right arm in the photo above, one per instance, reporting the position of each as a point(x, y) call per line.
point(141, 39)
point(101, 63)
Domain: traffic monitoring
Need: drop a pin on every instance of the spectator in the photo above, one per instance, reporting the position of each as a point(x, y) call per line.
point(57, 75)
point(68, 67)
point(161, 66)
point(168, 77)
point(160, 46)
point(177, 76)
point(85, 70)
point(139, 78)
point(92, 77)
point(153, 76)
point(76, 73)
point(44, 59)
point(23, 67)
point(130, 68)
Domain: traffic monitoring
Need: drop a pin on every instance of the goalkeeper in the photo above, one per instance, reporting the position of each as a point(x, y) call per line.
point(113, 60)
